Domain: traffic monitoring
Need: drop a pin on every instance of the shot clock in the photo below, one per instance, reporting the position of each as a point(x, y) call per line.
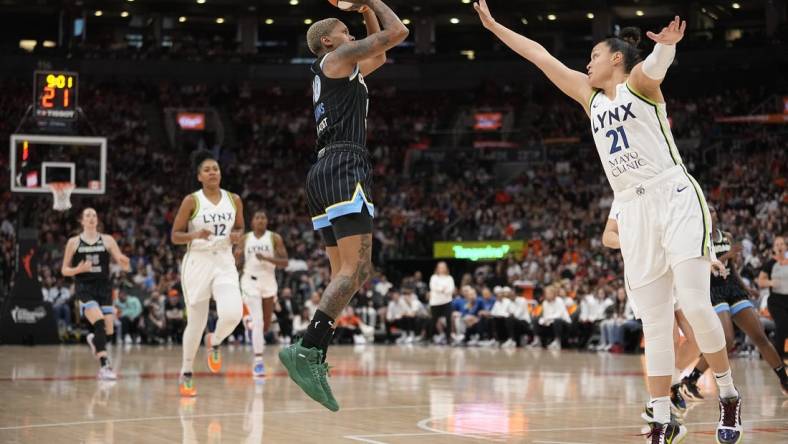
point(55, 94)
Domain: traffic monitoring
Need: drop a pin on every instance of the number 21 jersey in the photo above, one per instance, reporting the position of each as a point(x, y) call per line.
point(219, 219)
point(632, 137)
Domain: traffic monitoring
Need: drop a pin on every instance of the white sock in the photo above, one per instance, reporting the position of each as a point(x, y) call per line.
point(661, 408)
point(676, 379)
point(725, 384)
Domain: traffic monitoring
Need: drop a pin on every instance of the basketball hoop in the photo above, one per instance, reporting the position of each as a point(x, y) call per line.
point(61, 194)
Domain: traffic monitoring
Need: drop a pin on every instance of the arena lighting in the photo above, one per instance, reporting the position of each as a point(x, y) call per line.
point(454, 20)
point(524, 21)
point(735, 6)
point(293, 2)
point(181, 19)
point(307, 21)
point(220, 20)
point(406, 21)
point(466, 1)
point(98, 13)
point(551, 17)
point(639, 13)
point(124, 14)
point(200, 2)
point(590, 15)
point(269, 21)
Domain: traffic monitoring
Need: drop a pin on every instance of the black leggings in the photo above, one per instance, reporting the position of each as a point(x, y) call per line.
point(437, 312)
point(778, 308)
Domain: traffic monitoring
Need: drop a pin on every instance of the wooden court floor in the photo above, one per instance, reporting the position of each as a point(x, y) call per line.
point(388, 394)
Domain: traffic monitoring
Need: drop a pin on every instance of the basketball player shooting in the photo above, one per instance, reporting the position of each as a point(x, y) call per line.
point(339, 183)
point(664, 222)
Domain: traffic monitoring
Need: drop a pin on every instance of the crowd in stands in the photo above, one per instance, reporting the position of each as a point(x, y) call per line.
point(565, 291)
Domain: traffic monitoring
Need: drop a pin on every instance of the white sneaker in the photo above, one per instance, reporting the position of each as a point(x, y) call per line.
point(509, 344)
point(401, 340)
point(258, 370)
point(555, 345)
point(536, 343)
point(107, 374)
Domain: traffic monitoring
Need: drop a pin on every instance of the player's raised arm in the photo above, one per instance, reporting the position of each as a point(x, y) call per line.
point(368, 66)
point(647, 76)
point(572, 83)
point(343, 60)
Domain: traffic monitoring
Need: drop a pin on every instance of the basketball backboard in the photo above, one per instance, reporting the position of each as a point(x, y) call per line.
point(38, 160)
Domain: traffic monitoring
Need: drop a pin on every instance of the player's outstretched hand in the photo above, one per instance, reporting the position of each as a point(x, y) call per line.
point(484, 14)
point(202, 234)
point(671, 34)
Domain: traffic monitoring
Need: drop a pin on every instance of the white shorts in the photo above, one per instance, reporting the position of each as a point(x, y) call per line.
point(201, 271)
point(662, 222)
point(258, 285)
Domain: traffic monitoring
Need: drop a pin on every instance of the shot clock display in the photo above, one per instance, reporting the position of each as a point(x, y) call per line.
point(55, 94)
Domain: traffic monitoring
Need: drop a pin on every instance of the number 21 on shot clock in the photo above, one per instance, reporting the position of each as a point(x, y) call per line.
point(55, 94)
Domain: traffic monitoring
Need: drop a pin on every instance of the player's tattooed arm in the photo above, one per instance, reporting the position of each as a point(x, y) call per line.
point(368, 66)
point(394, 32)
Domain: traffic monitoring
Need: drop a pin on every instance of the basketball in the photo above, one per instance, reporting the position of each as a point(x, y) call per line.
point(347, 6)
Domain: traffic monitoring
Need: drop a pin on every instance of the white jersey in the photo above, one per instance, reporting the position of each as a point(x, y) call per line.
point(263, 246)
point(219, 219)
point(632, 137)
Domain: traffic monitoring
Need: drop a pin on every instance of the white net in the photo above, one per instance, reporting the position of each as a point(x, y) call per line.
point(61, 194)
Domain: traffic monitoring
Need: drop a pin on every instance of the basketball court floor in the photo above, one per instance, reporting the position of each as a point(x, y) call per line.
point(387, 394)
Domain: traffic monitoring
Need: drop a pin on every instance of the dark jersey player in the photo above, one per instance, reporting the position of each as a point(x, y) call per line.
point(338, 184)
point(731, 300)
point(87, 259)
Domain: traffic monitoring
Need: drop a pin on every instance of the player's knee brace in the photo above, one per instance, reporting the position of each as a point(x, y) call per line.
point(704, 321)
point(658, 335)
point(99, 336)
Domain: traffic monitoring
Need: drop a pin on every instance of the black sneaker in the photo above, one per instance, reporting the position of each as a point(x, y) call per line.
point(689, 388)
point(676, 399)
point(666, 433)
point(729, 430)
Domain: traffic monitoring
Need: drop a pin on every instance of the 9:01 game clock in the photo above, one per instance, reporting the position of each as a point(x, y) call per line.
point(55, 94)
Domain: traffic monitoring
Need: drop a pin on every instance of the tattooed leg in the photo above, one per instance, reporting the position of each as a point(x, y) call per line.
point(356, 268)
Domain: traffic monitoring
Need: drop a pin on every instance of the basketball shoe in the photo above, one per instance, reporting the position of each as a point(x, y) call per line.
point(305, 368)
point(258, 369)
point(214, 354)
point(676, 400)
point(730, 430)
point(689, 389)
point(666, 433)
point(186, 385)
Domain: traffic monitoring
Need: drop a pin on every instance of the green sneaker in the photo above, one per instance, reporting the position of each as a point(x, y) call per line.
point(330, 402)
point(305, 369)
